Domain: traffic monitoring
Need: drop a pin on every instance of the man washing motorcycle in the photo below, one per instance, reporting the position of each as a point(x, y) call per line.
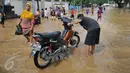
point(93, 35)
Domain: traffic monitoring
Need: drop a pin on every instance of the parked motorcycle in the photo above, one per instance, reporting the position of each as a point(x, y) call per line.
point(50, 45)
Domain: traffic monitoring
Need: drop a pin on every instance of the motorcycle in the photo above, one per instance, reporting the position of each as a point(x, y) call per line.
point(50, 45)
point(70, 36)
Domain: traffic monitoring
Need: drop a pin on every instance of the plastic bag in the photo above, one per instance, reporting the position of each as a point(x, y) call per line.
point(18, 30)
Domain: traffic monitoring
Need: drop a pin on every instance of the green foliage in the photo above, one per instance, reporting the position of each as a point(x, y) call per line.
point(120, 4)
point(85, 2)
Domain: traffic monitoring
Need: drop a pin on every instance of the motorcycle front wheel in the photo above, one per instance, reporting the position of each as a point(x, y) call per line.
point(74, 42)
point(39, 62)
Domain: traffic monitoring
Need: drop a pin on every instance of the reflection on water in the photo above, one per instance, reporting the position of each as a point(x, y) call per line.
point(112, 55)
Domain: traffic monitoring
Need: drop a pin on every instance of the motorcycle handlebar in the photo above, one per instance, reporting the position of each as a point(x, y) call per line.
point(71, 24)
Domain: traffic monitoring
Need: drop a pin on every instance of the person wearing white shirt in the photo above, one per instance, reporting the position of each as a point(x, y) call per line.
point(46, 13)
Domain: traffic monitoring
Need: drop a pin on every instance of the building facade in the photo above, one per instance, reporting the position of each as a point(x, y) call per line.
point(1, 2)
point(19, 5)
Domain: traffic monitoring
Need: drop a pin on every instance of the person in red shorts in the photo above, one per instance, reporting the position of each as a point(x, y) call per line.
point(72, 13)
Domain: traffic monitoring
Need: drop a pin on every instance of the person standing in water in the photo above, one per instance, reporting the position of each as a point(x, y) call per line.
point(72, 13)
point(2, 17)
point(104, 8)
point(27, 23)
point(46, 13)
point(63, 10)
point(99, 14)
point(59, 13)
point(87, 11)
point(93, 34)
point(53, 14)
point(42, 13)
point(92, 10)
point(38, 13)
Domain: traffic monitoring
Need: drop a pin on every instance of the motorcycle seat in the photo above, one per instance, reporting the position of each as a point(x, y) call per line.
point(50, 35)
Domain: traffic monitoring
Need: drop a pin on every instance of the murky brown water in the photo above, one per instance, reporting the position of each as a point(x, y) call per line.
point(112, 55)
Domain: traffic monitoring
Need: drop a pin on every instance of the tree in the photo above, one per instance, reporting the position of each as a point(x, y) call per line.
point(122, 3)
point(85, 2)
point(119, 2)
point(38, 5)
point(125, 4)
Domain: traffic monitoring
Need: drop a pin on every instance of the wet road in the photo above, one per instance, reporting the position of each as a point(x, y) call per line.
point(112, 55)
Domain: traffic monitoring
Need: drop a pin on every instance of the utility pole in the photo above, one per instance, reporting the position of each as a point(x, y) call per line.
point(38, 5)
point(24, 3)
point(33, 6)
point(108, 1)
point(60, 3)
point(82, 5)
point(52, 4)
point(43, 4)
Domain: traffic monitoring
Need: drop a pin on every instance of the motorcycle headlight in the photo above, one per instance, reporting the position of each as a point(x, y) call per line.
point(36, 46)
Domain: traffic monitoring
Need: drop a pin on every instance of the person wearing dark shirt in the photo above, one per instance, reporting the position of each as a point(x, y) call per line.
point(93, 35)
point(42, 13)
point(58, 13)
point(63, 10)
point(53, 14)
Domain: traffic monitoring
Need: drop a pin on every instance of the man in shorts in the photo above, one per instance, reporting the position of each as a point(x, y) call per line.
point(93, 35)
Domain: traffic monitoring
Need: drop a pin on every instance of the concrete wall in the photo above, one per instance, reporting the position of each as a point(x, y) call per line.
point(35, 5)
point(64, 4)
point(1, 2)
point(18, 6)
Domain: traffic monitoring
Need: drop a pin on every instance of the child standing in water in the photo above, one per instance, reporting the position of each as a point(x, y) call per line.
point(87, 11)
point(99, 12)
point(42, 13)
point(72, 13)
point(46, 13)
point(53, 14)
point(92, 10)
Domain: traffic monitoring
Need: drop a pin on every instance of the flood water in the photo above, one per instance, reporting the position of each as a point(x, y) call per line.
point(112, 55)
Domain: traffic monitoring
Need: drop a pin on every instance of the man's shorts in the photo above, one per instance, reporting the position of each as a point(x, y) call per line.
point(92, 37)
